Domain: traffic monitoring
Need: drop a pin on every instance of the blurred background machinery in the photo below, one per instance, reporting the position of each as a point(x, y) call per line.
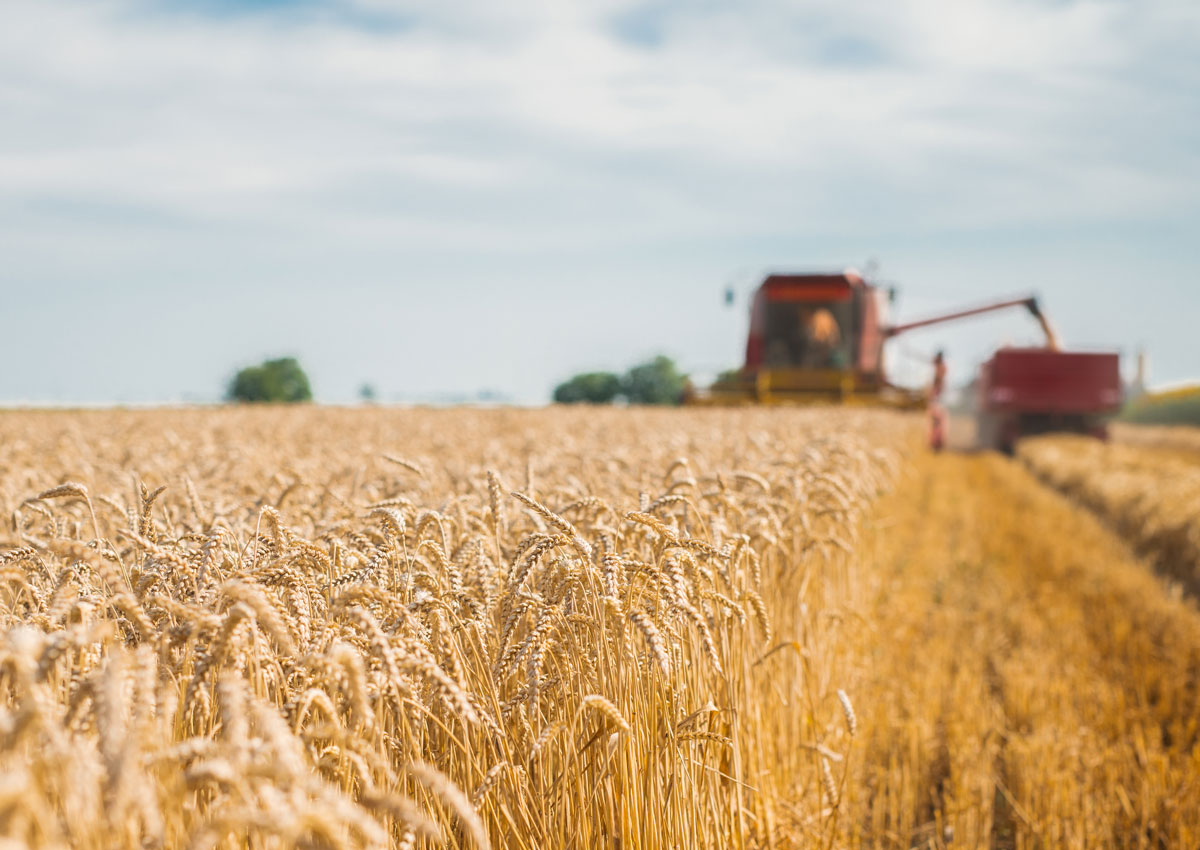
point(820, 338)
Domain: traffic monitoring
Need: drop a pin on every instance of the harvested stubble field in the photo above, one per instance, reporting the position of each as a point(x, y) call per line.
point(601, 628)
point(1145, 484)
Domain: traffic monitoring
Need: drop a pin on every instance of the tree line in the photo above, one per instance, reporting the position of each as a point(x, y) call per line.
point(656, 381)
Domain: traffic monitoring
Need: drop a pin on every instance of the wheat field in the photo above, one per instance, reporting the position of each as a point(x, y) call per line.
point(586, 628)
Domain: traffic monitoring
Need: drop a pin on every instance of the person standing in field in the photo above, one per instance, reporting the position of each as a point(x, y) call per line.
point(937, 413)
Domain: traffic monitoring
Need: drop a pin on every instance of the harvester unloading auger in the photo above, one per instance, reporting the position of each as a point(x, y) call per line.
point(820, 338)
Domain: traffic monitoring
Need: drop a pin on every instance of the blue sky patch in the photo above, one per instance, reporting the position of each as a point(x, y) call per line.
point(848, 51)
point(643, 26)
point(289, 11)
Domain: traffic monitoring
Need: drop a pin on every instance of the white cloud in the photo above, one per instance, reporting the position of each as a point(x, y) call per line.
point(232, 116)
point(139, 132)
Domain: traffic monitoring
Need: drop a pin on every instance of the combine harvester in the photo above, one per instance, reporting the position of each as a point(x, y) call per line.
point(820, 338)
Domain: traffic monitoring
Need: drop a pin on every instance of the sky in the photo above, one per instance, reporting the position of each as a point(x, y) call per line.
point(444, 198)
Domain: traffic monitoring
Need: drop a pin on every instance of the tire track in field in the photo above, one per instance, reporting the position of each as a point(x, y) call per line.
point(1029, 683)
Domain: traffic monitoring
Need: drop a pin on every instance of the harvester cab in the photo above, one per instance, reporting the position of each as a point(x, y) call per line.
point(812, 337)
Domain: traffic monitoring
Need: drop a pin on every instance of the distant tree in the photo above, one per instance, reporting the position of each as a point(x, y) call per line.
point(273, 380)
point(657, 381)
point(591, 387)
point(366, 394)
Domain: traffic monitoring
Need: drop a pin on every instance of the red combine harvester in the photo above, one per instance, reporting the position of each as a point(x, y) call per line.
point(820, 338)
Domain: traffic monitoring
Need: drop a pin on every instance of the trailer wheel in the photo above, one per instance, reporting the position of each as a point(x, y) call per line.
point(1011, 431)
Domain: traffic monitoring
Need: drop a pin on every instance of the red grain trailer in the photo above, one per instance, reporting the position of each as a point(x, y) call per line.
point(1025, 391)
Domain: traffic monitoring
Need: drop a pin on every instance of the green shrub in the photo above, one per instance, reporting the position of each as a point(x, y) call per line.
point(280, 380)
point(590, 387)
